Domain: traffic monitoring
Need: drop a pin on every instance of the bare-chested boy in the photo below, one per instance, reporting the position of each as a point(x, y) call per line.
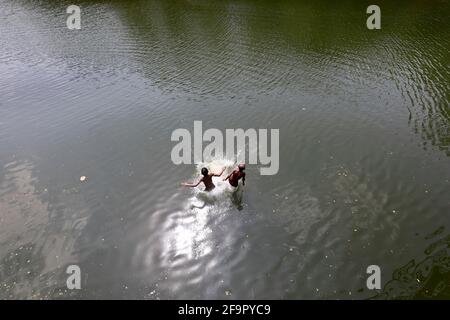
point(238, 173)
point(206, 179)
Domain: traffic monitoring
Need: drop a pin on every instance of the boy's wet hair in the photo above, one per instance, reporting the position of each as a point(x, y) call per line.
point(204, 171)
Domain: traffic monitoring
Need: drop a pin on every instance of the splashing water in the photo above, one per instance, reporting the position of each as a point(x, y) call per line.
point(222, 196)
point(188, 236)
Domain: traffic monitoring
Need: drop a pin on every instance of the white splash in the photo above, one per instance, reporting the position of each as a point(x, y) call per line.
point(222, 197)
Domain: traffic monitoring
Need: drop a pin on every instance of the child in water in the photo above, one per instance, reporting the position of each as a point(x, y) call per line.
point(234, 177)
point(206, 179)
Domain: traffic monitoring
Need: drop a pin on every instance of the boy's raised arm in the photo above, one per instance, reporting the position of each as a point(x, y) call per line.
point(219, 174)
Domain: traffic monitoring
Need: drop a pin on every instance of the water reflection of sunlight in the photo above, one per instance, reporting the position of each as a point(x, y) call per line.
point(190, 235)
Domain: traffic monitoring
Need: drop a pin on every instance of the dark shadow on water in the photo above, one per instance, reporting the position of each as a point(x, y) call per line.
point(428, 278)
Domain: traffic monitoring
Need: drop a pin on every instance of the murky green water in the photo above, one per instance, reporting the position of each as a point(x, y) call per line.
point(364, 121)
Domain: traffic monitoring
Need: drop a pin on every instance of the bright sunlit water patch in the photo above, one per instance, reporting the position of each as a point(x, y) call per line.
point(190, 229)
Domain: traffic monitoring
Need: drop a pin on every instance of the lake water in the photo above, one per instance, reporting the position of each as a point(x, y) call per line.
point(364, 175)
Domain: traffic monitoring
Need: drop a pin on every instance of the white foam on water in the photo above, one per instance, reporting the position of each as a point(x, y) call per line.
point(219, 198)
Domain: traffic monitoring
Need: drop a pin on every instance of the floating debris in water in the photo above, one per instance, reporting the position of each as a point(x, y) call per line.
point(227, 292)
point(82, 178)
